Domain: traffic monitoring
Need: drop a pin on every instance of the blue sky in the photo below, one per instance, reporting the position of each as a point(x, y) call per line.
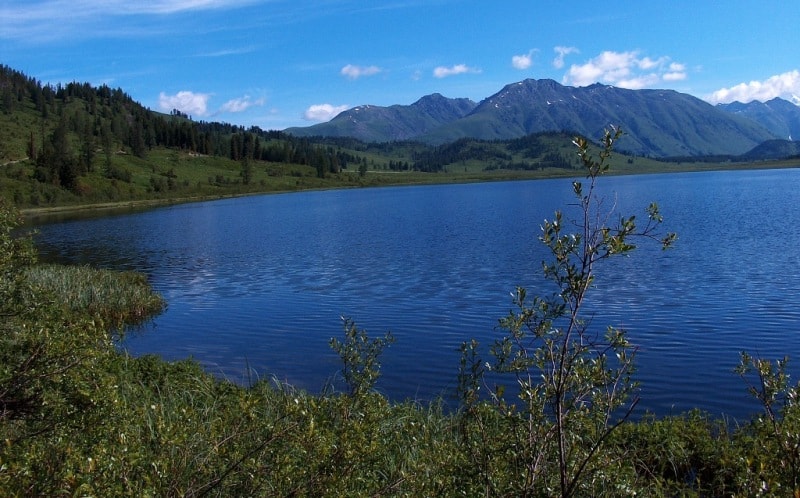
point(282, 63)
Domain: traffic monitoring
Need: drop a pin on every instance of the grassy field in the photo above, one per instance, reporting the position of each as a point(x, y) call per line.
point(169, 176)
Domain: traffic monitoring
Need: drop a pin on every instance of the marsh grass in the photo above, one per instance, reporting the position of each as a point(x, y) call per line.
point(116, 298)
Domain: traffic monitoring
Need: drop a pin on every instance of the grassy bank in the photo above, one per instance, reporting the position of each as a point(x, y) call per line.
point(89, 207)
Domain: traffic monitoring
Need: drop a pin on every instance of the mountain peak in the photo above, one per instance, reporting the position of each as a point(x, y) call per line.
point(373, 123)
point(435, 97)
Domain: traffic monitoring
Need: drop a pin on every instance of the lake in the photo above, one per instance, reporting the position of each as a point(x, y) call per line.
point(256, 285)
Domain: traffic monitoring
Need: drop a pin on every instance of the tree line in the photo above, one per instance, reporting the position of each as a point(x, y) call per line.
point(78, 121)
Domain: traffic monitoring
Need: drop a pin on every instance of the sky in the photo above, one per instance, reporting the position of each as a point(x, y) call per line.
point(282, 63)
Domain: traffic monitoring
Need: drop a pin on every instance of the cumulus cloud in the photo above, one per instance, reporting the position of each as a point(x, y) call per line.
point(676, 72)
point(444, 71)
point(354, 72)
point(562, 52)
point(191, 103)
point(625, 70)
point(523, 61)
point(323, 112)
point(240, 104)
point(786, 85)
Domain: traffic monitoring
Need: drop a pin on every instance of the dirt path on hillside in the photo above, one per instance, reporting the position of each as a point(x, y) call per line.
point(15, 161)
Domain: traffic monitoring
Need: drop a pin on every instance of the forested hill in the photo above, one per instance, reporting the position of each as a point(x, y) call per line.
point(109, 119)
point(75, 143)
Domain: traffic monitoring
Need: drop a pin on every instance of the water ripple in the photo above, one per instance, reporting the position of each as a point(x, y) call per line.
point(256, 286)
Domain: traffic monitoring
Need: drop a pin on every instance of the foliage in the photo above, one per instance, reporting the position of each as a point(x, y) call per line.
point(779, 429)
point(360, 357)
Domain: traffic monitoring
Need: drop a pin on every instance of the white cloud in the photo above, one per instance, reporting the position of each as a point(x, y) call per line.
point(639, 82)
point(626, 70)
point(562, 52)
point(240, 104)
point(675, 72)
point(323, 112)
point(647, 63)
point(523, 61)
point(444, 71)
point(786, 85)
point(674, 76)
point(194, 104)
point(354, 72)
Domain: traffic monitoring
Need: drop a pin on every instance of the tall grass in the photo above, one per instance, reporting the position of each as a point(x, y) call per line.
point(116, 298)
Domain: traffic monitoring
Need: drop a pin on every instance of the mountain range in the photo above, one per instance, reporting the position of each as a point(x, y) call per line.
point(779, 116)
point(657, 123)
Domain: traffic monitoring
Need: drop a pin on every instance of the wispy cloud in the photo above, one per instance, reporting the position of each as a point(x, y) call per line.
point(240, 105)
point(444, 71)
point(523, 61)
point(785, 85)
point(562, 52)
point(354, 72)
point(192, 103)
point(323, 112)
point(41, 9)
point(229, 52)
point(625, 70)
point(48, 20)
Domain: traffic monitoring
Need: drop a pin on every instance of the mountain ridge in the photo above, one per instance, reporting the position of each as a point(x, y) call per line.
point(396, 122)
point(658, 122)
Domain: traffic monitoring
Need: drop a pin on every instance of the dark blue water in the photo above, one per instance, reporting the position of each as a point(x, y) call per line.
point(256, 286)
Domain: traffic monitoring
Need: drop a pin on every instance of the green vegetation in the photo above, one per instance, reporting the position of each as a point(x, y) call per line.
point(77, 417)
point(573, 384)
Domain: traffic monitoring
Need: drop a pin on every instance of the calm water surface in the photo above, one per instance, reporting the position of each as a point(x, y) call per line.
point(256, 286)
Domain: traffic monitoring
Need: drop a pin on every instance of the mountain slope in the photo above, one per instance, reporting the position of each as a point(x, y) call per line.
point(771, 150)
point(779, 116)
point(658, 123)
point(398, 122)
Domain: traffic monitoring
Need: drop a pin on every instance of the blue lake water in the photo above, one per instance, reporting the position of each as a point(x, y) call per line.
point(256, 285)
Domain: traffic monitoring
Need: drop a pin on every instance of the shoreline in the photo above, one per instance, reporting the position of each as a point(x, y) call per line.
point(43, 213)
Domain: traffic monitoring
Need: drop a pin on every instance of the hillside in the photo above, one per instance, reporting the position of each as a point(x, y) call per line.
point(77, 144)
point(772, 150)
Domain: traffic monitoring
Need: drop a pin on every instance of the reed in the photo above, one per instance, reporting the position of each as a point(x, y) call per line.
point(116, 298)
